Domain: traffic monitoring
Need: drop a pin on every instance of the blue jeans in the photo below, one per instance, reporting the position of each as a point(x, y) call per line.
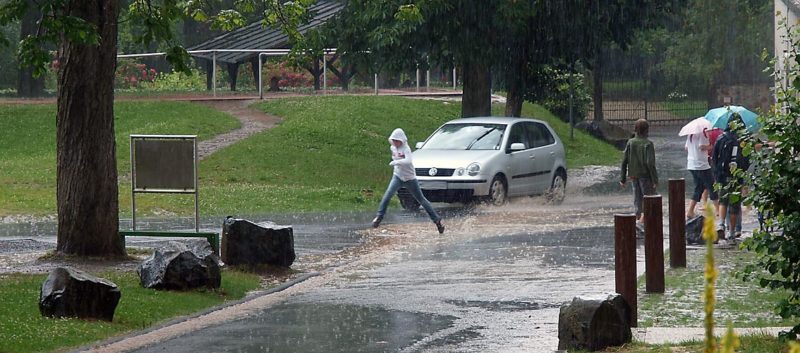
point(413, 187)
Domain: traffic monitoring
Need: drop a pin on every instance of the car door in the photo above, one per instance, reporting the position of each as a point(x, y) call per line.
point(520, 164)
point(543, 154)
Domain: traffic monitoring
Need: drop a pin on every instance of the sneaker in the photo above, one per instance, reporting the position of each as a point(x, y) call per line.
point(377, 221)
point(439, 226)
point(737, 235)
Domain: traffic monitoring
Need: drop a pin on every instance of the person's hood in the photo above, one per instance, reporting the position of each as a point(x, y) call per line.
point(399, 134)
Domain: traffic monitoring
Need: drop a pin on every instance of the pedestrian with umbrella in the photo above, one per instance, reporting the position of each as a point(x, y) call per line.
point(697, 148)
point(727, 158)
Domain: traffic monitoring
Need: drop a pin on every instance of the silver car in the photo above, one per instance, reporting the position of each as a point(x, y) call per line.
point(489, 158)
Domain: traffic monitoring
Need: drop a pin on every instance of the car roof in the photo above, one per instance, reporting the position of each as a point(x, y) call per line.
point(492, 120)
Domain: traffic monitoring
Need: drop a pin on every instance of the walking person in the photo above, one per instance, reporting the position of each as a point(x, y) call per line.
point(697, 163)
point(404, 176)
point(727, 157)
point(639, 166)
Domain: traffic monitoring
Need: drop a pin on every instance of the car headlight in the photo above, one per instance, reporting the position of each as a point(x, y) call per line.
point(473, 169)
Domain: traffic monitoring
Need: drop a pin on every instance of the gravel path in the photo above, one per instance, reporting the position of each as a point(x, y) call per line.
point(253, 121)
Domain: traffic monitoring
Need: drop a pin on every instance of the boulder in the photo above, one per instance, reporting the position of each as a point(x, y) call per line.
point(606, 131)
point(181, 267)
point(247, 243)
point(69, 292)
point(594, 323)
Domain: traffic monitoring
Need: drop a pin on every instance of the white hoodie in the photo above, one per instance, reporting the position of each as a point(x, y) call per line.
point(401, 157)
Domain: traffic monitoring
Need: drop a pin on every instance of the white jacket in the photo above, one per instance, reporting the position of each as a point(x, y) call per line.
point(401, 157)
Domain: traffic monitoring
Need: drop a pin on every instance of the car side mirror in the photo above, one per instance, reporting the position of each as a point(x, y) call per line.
point(518, 146)
point(419, 145)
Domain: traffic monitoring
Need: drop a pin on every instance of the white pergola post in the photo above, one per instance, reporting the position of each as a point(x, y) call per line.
point(376, 84)
point(417, 77)
point(214, 72)
point(324, 74)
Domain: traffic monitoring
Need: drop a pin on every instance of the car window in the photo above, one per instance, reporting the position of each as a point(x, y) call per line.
point(518, 135)
point(539, 134)
point(467, 136)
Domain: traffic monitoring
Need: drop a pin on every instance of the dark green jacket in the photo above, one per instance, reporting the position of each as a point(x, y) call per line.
point(639, 160)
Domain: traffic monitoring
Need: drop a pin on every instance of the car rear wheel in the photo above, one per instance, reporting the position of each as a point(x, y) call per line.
point(498, 195)
point(558, 188)
point(408, 201)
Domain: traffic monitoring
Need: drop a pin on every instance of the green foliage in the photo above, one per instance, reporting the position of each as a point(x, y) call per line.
point(775, 189)
point(717, 40)
point(178, 81)
point(8, 62)
point(23, 329)
point(554, 93)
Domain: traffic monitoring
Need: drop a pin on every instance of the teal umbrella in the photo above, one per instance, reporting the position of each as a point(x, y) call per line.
point(718, 117)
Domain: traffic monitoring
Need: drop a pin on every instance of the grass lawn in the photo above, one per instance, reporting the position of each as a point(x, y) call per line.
point(329, 153)
point(28, 154)
point(687, 109)
point(23, 329)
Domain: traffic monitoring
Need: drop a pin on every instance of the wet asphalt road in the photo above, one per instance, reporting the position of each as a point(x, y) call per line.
point(493, 283)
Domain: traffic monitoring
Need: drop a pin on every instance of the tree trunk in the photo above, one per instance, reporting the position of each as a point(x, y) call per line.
point(233, 74)
point(597, 90)
point(477, 97)
point(88, 204)
point(27, 85)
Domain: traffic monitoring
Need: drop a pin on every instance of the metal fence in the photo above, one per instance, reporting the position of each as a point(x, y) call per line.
point(634, 87)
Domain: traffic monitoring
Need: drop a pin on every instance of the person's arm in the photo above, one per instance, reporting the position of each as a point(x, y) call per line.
point(405, 158)
point(651, 163)
point(624, 167)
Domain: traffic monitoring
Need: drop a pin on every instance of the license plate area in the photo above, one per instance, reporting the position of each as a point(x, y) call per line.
point(433, 185)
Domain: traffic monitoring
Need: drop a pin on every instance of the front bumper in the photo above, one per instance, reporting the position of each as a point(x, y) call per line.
point(452, 189)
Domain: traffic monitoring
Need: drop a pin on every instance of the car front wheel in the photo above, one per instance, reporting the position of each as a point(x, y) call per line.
point(497, 191)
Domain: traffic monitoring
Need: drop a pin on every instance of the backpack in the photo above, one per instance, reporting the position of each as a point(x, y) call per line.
point(727, 151)
point(694, 231)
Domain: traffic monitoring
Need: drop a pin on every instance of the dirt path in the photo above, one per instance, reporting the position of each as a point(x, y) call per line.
point(253, 121)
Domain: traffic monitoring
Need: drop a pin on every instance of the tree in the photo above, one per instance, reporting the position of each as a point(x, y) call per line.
point(86, 34)
point(774, 184)
point(27, 84)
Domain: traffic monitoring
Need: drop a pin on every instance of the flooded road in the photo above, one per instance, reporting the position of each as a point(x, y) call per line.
point(493, 282)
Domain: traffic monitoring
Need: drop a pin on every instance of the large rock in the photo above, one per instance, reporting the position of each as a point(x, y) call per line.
point(247, 243)
point(179, 266)
point(694, 231)
point(68, 292)
point(594, 323)
point(606, 131)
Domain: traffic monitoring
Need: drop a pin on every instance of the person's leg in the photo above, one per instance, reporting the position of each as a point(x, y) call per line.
point(697, 194)
point(394, 185)
point(637, 199)
point(413, 187)
point(707, 178)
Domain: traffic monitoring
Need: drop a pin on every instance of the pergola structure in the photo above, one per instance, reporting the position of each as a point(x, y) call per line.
point(252, 42)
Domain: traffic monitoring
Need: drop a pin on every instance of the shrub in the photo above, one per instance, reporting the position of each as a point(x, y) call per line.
point(554, 93)
point(131, 74)
point(774, 183)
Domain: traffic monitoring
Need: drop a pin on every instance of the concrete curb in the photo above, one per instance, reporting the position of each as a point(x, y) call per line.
point(664, 335)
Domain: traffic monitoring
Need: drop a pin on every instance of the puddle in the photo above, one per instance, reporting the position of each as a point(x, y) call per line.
point(312, 327)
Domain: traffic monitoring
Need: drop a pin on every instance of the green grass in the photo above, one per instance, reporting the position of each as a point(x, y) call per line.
point(749, 344)
point(23, 329)
point(745, 304)
point(687, 109)
point(27, 142)
point(329, 153)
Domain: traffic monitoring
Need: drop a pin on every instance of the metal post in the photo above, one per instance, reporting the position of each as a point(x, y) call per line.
point(133, 185)
point(428, 80)
point(571, 119)
point(653, 244)
point(625, 261)
point(214, 72)
point(454, 76)
point(376, 84)
point(417, 77)
point(324, 74)
point(196, 190)
point(677, 223)
point(260, 78)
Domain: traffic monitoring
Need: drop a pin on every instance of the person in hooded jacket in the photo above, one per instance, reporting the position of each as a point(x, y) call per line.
point(404, 176)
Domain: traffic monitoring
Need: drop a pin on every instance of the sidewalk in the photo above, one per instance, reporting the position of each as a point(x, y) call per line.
point(663, 335)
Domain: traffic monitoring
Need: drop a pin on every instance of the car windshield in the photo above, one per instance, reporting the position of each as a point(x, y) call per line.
point(467, 136)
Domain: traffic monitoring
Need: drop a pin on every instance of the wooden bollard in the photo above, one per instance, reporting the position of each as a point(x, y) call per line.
point(625, 261)
point(677, 223)
point(653, 244)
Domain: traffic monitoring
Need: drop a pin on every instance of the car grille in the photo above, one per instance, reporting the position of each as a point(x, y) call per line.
point(439, 172)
